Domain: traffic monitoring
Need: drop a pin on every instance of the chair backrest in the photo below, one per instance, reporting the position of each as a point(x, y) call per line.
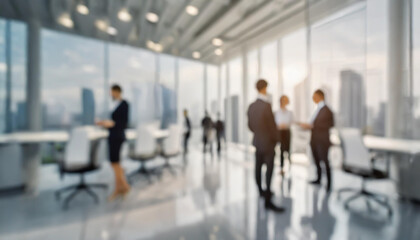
point(355, 154)
point(172, 144)
point(78, 147)
point(145, 141)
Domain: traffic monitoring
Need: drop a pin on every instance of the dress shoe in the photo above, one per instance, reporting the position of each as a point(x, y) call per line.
point(315, 182)
point(270, 206)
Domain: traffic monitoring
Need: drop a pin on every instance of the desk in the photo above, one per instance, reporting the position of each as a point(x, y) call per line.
point(31, 153)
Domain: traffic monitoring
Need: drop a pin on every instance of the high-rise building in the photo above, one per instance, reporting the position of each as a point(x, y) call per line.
point(352, 112)
point(88, 107)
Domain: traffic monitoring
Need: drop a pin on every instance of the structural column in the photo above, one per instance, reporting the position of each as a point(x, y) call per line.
point(219, 88)
point(106, 80)
point(280, 88)
point(32, 152)
point(244, 128)
point(228, 108)
point(397, 64)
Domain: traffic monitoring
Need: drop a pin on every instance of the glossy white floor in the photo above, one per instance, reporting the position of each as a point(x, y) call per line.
point(210, 199)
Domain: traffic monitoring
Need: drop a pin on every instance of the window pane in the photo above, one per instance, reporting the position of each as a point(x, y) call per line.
point(234, 129)
point(18, 40)
point(134, 70)
point(71, 67)
point(168, 90)
point(416, 70)
point(269, 71)
point(212, 90)
point(191, 89)
point(3, 69)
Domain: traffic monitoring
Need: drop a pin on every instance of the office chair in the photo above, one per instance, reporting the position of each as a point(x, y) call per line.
point(144, 150)
point(357, 161)
point(171, 147)
point(80, 157)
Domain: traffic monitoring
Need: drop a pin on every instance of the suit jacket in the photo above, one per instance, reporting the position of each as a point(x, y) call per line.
point(187, 125)
point(321, 127)
point(261, 123)
point(120, 118)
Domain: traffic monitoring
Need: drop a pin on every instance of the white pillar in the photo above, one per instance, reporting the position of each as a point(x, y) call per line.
point(219, 88)
point(259, 70)
point(106, 81)
point(32, 152)
point(397, 64)
point(178, 106)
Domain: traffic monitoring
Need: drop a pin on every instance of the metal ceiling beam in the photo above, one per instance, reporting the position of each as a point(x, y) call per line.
point(142, 22)
point(208, 11)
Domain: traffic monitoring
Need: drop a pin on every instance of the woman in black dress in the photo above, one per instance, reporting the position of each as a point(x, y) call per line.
point(116, 127)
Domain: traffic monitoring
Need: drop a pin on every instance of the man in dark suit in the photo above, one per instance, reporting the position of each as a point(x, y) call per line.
point(220, 133)
point(261, 123)
point(321, 122)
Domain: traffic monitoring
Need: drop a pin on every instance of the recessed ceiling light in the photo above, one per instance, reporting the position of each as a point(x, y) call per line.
point(196, 55)
point(101, 25)
point(112, 31)
point(152, 17)
point(66, 21)
point(191, 10)
point(218, 52)
point(124, 15)
point(217, 42)
point(82, 9)
point(154, 46)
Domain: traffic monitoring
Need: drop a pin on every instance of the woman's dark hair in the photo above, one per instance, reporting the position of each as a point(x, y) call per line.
point(116, 87)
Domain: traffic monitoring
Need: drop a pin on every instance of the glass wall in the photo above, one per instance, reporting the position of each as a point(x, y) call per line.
point(134, 70)
point(3, 69)
point(17, 38)
point(191, 89)
point(416, 68)
point(212, 90)
point(167, 86)
point(252, 75)
point(294, 62)
point(72, 80)
point(269, 71)
point(338, 66)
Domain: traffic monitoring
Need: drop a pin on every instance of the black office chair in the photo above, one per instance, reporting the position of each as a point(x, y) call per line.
point(81, 157)
point(357, 161)
point(144, 150)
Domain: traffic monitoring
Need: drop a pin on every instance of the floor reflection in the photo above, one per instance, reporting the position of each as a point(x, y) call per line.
point(211, 198)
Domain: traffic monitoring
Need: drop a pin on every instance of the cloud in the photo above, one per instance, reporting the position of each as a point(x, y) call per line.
point(134, 63)
point(89, 68)
point(3, 67)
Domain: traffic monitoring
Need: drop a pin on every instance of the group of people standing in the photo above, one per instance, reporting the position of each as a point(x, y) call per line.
point(211, 130)
point(270, 129)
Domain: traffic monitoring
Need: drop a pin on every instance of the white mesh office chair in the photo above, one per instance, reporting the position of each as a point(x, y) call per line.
point(143, 150)
point(80, 157)
point(357, 161)
point(171, 146)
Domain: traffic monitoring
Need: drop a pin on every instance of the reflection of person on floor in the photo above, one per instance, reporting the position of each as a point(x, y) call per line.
point(322, 221)
point(187, 130)
point(211, 180)
point(220, 133)
point(207, 125)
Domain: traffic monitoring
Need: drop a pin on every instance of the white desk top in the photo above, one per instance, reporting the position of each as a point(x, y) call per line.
point(386, 144)
point(63, 136)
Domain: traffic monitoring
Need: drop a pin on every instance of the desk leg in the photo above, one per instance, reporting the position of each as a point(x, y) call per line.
point(31, 160)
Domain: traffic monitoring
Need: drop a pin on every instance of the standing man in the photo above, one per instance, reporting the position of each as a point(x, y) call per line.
point(262, 125)
point(220, 133)
point(321, 122)
point(207, 125)
point(187, 131)
point(284, 119)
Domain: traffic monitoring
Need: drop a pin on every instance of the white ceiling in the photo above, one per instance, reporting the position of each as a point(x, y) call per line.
point(236, 22)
